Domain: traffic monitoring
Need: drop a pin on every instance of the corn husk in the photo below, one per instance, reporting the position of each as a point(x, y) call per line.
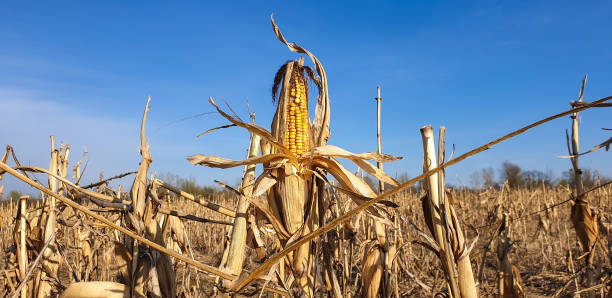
point(96, 289)
point(120, 259)
point(585, 224)
point(512, 283)
point(372, 271)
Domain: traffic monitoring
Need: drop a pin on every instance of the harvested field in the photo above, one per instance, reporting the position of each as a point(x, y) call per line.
point(301, 224)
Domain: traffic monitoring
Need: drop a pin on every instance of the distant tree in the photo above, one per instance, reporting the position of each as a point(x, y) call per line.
point(512, 173)
point(488, 177)
point(14, 195)
point(476, 180)
point(590, 178)
point(403, 178)
point(190, 186)
point(536, 178)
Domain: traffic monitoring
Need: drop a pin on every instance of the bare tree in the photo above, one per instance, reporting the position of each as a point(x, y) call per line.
point(488, 177)
point(512, 173)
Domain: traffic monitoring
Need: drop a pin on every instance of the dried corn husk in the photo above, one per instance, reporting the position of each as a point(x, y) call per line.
point(96, 289)
point(372, 271)
point(120, 259)
point(513, 287)
point(178, 236)
point(585, 224)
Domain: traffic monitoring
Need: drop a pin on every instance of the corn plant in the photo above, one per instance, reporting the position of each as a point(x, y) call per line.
point(296, 161)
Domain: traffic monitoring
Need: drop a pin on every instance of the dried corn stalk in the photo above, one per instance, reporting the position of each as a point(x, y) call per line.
point(237, 246)
point(4, 159)
point(296, 165)
point(48, 224)
point(150, 269)
point(584, 220)
point(443, 223)
point(20, 240)
point(509, 278)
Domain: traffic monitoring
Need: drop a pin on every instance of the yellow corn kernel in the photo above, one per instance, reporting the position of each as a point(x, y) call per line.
point(298, 123)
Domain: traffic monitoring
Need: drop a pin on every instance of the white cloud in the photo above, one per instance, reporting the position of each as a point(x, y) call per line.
point(28, 120)
point(112, 142)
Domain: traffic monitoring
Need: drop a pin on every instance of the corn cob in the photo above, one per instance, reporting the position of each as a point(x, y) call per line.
point(298, 122)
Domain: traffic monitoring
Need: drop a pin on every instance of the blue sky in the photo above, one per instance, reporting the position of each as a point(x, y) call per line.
point(82, 71)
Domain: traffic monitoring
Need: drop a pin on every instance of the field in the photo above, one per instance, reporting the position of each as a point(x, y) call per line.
point(543, 241)
point(305, 225)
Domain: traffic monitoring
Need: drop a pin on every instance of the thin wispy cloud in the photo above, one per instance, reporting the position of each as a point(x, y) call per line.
point(30, 120)
point(36, 66)
point(112, 142)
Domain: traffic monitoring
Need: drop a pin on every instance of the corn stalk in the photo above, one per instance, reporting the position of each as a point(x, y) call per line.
point(148, 266)
point(236, 248)
point(509, 278)
point(583, 217)
point(22, 255)
point(48, 222)
point(298, 161)
point(438, 225)
point(443, 223)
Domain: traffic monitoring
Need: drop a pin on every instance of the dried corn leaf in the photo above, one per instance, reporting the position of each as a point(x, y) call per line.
point(75, 188)
point(345, 177)
point(376, 172)
point(256, 129)
point(263, 183)
point(355, 188)
point(262, 206)
point(335, 151)
point(606, 144)
point(224, 163)
point(216, 128)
